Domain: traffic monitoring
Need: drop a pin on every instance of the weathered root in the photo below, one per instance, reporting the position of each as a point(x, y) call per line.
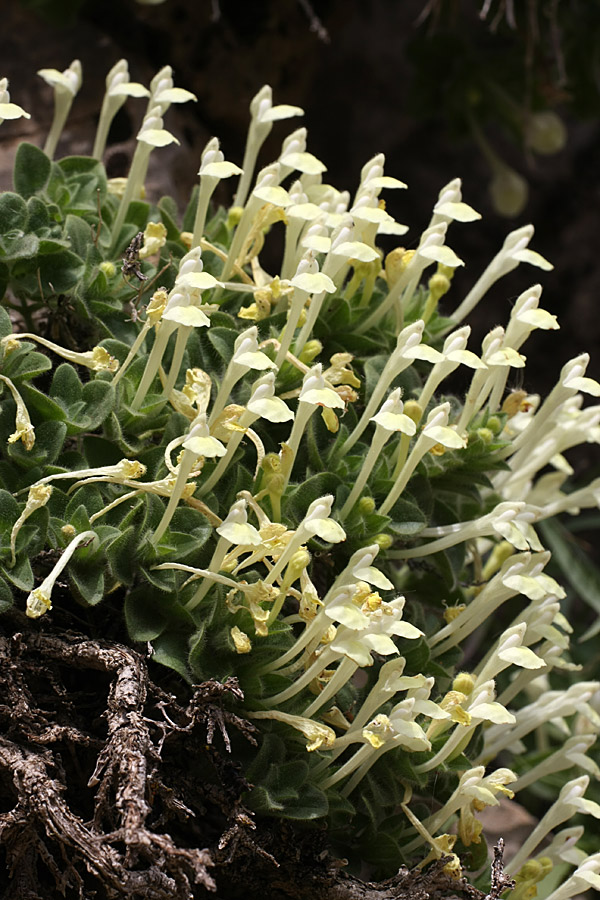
point(96, 761)
point(131, 859)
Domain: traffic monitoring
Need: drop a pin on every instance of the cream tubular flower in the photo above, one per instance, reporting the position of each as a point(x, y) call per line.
point(571, 753)
point(475, 790)
point(509, 650)
point(154, 311)
point(307, 280)
point(263, 115)
point(181, 312)
point(294, 156)
point(371, 175)
point(514, 250)
point(118, 88)
point(298, 214)
point(246, 356)
point(184, 309)
point(359, 568)
point(39, 600)
point(450, 206)
point(234, 530)
point(521, 573)
point(199, 444)
point(319, 736)
point(435, 431)
point(562, 847)
point(262, 404)
point(266, 193)
point(570, 801)
point(497, 359)
point(480, 706)
point(511, 520)
point(454, 354)
point(549, 705)
point(24, 430)
point(368, 631)
point(585, 876)
point(388, 420)
point(408, 348)
point(37, 497)
point(155, 238)
point(66, 85)
point(163, 92)
point(151, 135)
point(572, 380)
point(383, 733)
point(98, 359)
point(119, 472)
point(315, 392)
point(431, 248)
point(9, 110)
point(343, 249)
point(317, 521)
point(213, 168)
point(524, 318)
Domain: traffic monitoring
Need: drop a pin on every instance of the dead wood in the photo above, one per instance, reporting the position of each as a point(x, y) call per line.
point(98, 806)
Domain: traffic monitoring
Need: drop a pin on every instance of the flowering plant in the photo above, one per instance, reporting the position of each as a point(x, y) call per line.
point(265, 481)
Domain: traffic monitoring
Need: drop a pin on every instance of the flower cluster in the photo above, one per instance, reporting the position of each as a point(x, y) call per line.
point(338, 564)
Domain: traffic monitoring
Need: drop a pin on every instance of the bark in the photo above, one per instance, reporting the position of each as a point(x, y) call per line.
point(101, 796)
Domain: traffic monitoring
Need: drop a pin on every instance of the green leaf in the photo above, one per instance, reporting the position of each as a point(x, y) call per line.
point(49, 439)
point(9, 513)
point(575, 565)
point(222, 339)
point(21, 575)
point(171, 650)
point(88, 583)
point(77, 515)
point(5, 327)
point(31, 171)
point(24, 363)
point(137, 214)
point(168, 214)
point(79, 234)
point(145, 614)
point(37, 214)
point(66, 388)
point(262, 800)
point(311, 804)
point(13, 214)
point(162, 580)
point(121, 554)
point(58, 273)
point(6, 596)
point(407, 518)
point(189, 215)
point(380, 849)
point(303, 495)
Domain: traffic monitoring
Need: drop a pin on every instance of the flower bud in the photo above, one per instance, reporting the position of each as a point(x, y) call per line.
point(366, 506)
point(464, 683)
point(546, 133)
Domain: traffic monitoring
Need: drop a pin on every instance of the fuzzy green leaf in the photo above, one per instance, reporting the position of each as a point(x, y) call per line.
point(88, 583)
point(31, 171)
point(145, 614)
point(121, 554)
point(6, 596)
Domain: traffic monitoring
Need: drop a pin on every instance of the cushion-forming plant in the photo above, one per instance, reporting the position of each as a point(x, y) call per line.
point(296, 488)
